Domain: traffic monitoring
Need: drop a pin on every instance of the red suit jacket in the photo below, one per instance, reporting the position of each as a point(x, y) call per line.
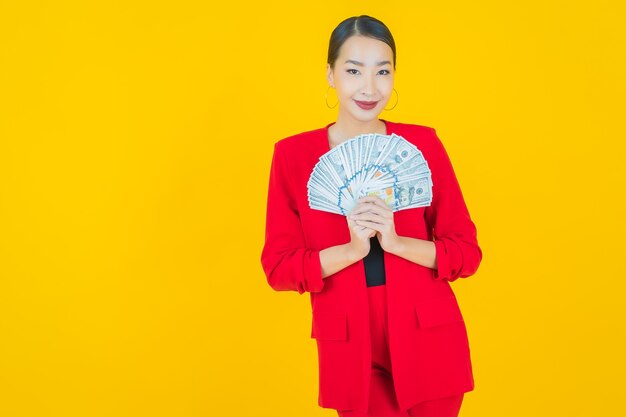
point(428, 341)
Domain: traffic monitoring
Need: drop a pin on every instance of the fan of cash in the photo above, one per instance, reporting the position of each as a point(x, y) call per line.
point(387, 166)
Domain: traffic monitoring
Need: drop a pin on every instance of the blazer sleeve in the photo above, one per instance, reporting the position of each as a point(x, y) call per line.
point(288, 264)
point(457, 251)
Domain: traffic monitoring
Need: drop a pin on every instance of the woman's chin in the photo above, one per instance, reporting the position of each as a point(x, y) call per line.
point(365, 115)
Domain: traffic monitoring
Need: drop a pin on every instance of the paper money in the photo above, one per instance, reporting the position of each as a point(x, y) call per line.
point(387, 166)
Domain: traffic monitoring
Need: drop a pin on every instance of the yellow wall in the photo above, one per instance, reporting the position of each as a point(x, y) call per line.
point(136, 139)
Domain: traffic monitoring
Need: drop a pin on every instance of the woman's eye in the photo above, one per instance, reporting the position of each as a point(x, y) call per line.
point(355, 71)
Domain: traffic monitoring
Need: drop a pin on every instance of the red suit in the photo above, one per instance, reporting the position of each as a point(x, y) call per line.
point(428, 343)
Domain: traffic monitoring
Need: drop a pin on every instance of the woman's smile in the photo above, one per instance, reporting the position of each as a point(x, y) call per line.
point(366, 105)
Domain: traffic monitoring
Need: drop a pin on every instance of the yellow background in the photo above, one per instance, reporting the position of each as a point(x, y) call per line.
point(136, 140)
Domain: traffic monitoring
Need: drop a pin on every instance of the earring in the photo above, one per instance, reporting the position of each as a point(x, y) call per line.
point(326, 99)
point(397, 98)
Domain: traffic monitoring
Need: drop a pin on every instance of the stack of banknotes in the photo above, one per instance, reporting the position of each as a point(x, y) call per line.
point(387, 166)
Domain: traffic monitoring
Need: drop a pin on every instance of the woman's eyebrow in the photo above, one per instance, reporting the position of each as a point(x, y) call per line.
point(352, 61)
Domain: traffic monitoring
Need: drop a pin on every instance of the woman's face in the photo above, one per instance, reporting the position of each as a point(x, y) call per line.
point(363, 77)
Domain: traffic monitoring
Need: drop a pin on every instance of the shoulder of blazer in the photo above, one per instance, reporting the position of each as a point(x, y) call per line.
point(412, 129)
point(424, 137)
point(299, 141)
point(304, 141)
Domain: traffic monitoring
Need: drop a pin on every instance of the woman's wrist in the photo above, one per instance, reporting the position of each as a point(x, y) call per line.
point(353, 253)
point(336, 258)
point(416, 250)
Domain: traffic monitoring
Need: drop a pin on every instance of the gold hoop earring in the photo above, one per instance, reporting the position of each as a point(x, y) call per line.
point(326, 99)
point(397, 99)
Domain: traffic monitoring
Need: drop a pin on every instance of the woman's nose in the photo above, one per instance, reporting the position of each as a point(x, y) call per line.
point(368, 86)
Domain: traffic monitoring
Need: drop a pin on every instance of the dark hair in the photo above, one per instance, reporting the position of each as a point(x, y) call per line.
point(359, 25)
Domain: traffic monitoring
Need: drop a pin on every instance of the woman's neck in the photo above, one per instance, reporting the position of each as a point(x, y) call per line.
point(347, 127)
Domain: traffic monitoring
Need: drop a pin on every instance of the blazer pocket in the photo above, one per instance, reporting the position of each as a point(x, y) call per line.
point(438, 311)
point(329, 325)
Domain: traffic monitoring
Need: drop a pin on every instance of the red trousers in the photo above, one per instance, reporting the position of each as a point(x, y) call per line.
point(382, 396)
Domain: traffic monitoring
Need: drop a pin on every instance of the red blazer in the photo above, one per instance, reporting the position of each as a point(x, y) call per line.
point(428, 341)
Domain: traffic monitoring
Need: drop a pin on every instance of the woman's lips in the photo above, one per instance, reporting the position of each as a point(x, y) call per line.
point(366, 105)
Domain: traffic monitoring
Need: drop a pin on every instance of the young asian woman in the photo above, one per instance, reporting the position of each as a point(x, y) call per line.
point(391, 337)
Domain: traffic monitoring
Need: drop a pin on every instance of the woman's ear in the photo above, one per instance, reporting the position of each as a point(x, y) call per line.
point(329, 76)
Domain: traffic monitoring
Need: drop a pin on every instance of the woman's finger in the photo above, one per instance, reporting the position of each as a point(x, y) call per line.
point(374, 200)
point(373, 210)
point(375, 226)
point(367, 208)
point(376, 206)
point(358, 227)
point(373, 217)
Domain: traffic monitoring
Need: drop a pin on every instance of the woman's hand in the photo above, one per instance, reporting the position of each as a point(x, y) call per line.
point(359, 238)
point(372, 213)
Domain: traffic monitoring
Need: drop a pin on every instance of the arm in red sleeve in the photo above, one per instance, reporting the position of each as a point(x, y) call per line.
point(288, 264)
point(457, 251)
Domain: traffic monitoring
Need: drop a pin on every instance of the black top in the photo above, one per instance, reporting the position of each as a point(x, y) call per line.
point(374, 264)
